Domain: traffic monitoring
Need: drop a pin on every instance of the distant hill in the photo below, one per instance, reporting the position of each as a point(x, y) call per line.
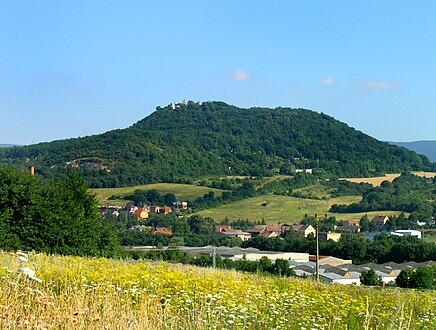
point(178, 143)
point(427, 148)
point(7, 145)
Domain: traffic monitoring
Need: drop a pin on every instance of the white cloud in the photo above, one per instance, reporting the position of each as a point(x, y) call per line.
point(377, 85)
point(328, 81)
point(240, 75)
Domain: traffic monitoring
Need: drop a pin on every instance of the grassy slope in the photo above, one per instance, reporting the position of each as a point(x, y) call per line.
point(184, 192)
point(284, 209)
point(81, 293)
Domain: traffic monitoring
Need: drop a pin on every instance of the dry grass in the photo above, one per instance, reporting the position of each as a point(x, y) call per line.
point(376, 181)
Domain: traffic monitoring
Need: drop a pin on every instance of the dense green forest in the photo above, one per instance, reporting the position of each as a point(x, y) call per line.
point(217, 139)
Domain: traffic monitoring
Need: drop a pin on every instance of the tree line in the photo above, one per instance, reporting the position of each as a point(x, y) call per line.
point(408, 193)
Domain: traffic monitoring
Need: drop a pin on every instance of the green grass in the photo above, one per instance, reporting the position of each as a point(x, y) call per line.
point(429, 236)
point(284, 209)
point(183, 192)
point(314, 191)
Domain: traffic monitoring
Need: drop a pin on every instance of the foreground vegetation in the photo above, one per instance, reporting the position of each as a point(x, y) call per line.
point(80, 293)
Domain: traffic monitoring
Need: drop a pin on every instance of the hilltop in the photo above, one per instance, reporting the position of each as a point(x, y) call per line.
point(179, 143)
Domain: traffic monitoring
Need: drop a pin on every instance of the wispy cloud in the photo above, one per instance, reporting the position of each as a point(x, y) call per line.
point(328, 81)
point(240, 75)
point(376, 85)
point(65, 83)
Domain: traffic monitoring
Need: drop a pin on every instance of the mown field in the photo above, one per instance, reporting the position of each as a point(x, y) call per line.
point(376, 181)
point(183, 192)
point(284, 209)
point(81, 293)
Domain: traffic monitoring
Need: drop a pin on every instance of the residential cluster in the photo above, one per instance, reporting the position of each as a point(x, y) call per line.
point(143, 213)
point(347, 227)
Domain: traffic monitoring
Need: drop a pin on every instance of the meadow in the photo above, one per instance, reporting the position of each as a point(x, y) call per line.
point(183, 192)
point(285, 209)
point(81, 293)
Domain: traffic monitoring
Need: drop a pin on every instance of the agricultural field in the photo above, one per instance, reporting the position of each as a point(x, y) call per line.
point(285, 209)
point(183, 192)
point(81, 293)
point(376, 181)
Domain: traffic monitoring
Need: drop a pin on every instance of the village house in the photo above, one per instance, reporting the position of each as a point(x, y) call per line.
point(304, 230)
point(162, 231)
point(114, 210)
point(272, 231)
point(269, 234)
point(256, 230)
point(131, 209)
point(380, 221)
point(141, 213)
point(325, 236)
point(180, 205)
point(156, 209)
point(354, 223)
point(221, 228)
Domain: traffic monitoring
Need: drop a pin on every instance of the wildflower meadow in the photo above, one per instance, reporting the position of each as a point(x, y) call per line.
point(39, 291)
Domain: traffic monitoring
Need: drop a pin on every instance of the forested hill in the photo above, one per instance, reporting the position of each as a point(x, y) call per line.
point(193, 141)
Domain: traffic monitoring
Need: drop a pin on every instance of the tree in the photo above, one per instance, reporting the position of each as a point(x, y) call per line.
point(424, 278)
point(281, 268)
point(364, 223)
point(58, 216)
point(200, 225)
point(370, 278)
point(404, 279)
point(265, 265)
point(169, 199)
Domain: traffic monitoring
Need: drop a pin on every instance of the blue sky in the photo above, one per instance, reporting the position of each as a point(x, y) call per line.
point(77, 68)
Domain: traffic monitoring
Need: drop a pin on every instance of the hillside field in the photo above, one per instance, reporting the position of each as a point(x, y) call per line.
point(284, 209)
point(82, 293)
point(183, 192)
point(376, 181)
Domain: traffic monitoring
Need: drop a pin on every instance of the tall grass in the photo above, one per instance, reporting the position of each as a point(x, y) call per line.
point(81, 293)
